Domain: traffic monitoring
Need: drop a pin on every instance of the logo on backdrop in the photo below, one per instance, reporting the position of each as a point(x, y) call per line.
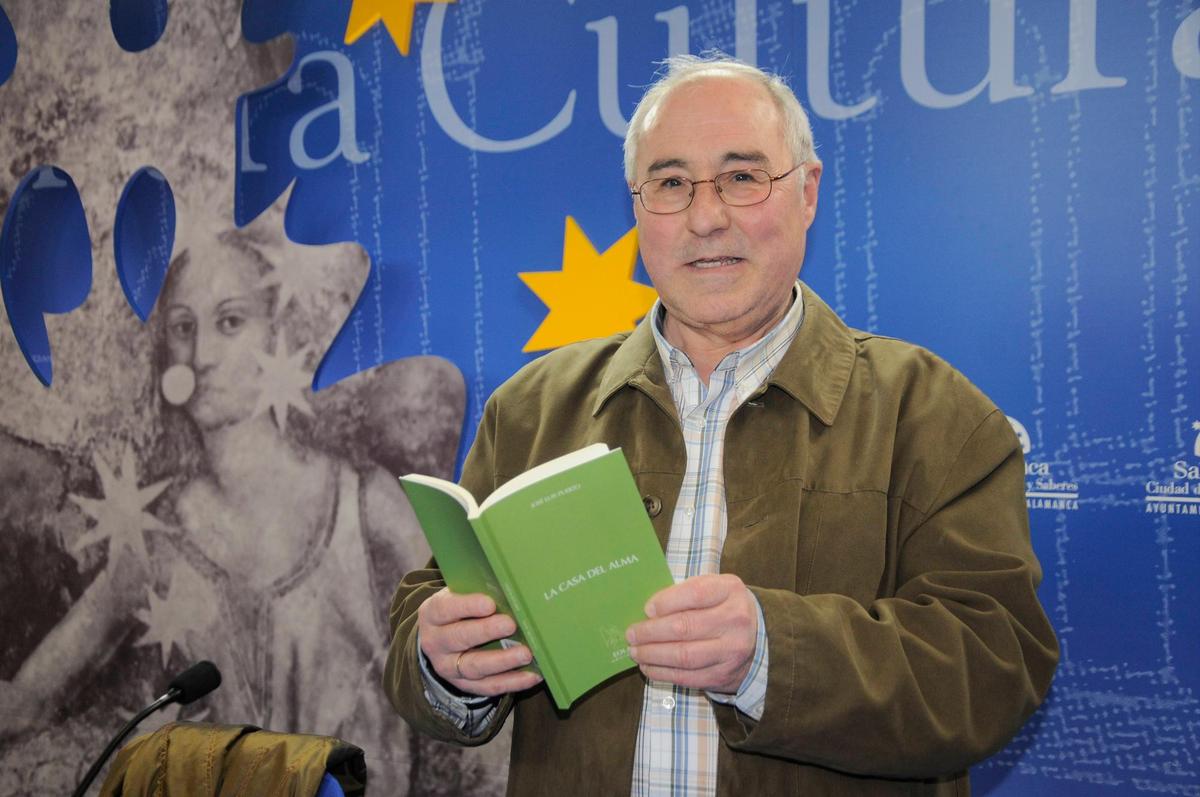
point(1179, 493)
point(1043, 490)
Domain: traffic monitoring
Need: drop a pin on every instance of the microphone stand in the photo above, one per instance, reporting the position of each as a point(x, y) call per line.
point(170, 696)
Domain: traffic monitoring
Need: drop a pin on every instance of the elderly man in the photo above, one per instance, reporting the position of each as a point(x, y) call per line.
point(855, 607)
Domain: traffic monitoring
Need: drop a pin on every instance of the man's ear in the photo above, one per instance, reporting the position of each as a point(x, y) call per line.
point(812, 182)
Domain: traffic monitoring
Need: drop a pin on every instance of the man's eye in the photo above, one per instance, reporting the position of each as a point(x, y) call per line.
point(742, 177)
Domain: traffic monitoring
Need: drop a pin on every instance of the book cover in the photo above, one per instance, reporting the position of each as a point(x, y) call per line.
point(566, 549)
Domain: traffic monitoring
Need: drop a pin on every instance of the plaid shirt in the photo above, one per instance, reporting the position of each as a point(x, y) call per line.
point(676, 752)
point(677, 742)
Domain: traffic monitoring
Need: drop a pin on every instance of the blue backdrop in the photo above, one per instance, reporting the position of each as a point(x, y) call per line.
point(1014, 185)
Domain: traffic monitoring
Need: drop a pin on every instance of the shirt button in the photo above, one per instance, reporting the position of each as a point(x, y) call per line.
point(689, 511)
point(668, 702)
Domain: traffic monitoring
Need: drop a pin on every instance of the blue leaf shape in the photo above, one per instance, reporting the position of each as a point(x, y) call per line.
point(8, 47)
point(137, 24)
point(45, 260)
point(143, 237)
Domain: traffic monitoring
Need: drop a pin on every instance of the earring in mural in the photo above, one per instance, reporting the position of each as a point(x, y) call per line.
point(178, 383)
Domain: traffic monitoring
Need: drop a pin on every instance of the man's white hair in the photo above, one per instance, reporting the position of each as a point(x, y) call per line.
point(680, 69)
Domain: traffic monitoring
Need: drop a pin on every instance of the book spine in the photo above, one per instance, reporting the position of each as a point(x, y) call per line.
point(522, 616)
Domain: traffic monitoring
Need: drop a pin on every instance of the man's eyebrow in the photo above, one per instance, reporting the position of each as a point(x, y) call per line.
point(754, 156)
point(666, 163)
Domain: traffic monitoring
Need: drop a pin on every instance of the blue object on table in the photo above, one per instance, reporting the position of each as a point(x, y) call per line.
point(329, 787)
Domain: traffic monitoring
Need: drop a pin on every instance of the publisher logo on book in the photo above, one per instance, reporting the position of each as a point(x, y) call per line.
point(614, 640)
point(1179, 493)
point(1042, 489)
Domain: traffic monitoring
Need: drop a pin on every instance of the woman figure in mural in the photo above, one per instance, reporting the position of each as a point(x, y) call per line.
point(296, 609)
point(276, 553)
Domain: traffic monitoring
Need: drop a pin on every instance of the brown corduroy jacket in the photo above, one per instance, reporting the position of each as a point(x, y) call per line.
point(875, 507)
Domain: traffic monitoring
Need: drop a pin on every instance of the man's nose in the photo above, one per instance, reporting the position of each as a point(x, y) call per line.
point(708, 213)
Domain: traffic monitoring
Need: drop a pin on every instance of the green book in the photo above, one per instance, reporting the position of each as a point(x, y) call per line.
point(565, 549)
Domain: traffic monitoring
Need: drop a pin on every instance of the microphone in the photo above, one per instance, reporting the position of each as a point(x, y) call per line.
point(193, 683)
point(189, 686)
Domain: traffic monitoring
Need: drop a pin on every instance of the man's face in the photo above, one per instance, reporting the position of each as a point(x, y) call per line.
point(723, 271)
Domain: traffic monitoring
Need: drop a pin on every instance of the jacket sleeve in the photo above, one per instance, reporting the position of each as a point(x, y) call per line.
point(935, 676)
point(402, 676)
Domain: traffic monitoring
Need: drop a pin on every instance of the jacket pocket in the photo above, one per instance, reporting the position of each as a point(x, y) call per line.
point(767, 543)
point(809, 542)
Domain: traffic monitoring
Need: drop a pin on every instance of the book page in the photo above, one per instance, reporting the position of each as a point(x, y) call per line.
point(459, 493)
point(546, 469)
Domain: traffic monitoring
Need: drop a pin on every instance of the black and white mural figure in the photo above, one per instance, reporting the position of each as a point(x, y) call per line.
point(179, 492)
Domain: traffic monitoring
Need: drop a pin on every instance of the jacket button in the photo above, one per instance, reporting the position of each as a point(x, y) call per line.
point(652, 504)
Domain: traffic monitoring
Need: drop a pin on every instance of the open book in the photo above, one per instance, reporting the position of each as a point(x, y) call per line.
point(565, 549)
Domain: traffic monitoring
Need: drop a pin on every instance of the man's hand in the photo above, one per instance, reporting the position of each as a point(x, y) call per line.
point(701, 634)
point(453, 627)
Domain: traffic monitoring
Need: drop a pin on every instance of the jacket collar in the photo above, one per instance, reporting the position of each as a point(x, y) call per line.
point(815, 370)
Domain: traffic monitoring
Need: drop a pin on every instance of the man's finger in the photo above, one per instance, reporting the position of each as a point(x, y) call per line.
point(698, 592)
point(677, 627)
point(684, 655)
point(476, 665)
point(467, 634)
point(496, 685)
point(448, 607)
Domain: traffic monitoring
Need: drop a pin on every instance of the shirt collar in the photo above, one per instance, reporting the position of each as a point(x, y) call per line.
point(815, 370)
point(752, 365)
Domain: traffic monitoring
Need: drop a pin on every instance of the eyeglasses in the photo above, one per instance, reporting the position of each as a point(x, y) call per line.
point(738, 188)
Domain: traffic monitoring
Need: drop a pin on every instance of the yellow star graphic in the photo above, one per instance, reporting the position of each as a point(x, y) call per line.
point(593, 296)
point(397, 16)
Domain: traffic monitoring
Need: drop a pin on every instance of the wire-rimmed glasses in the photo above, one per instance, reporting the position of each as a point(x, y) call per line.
point(737, 188)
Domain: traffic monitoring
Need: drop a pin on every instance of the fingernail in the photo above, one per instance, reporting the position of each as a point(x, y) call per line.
point(631, 637)
point(650, 611)
point(633, 652)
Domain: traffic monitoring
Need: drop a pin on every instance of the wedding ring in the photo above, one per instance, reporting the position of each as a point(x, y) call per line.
point(458, 665)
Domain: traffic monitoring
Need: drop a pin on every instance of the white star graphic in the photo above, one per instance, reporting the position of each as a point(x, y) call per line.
point(190, 604)
point(120, 513)
point(283, 383)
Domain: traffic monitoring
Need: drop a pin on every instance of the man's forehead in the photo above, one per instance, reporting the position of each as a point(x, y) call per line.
point(712, 122)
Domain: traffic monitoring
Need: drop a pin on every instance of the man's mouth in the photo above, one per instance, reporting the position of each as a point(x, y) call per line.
point(714, 262)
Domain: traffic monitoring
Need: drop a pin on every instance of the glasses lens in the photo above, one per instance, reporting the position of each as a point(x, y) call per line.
point(666, 194)
point(744, 186)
